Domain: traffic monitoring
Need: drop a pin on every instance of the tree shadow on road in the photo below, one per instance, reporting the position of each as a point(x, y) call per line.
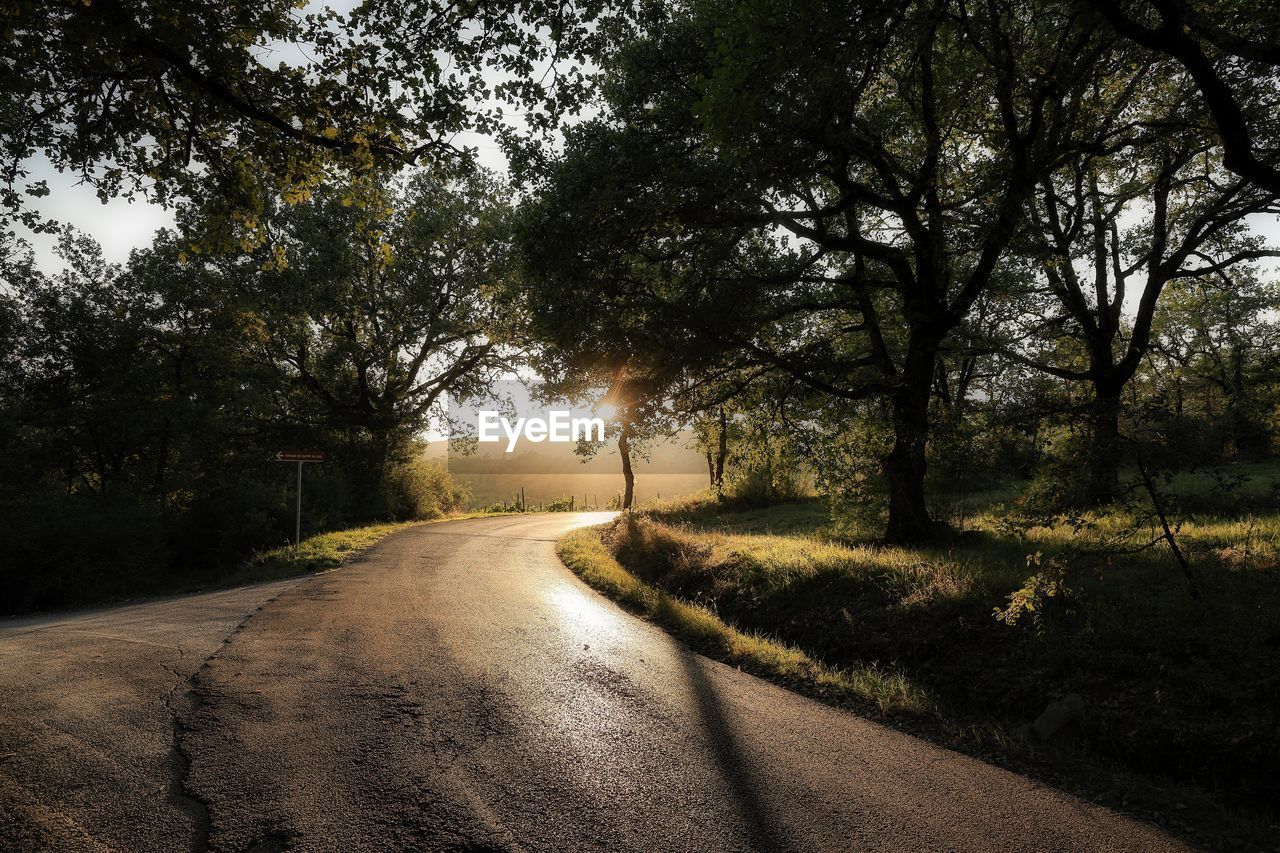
point(734, 766)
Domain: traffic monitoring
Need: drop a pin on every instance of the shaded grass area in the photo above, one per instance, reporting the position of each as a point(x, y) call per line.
point(1180, 694)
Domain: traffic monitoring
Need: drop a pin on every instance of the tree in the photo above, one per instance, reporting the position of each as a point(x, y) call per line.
point(1215, 352)
point(712, 432)
point(1111, 233)
point(636, 408)
point(819, 189)
point(373, 322)
point(163, 96)
point(1231, 53)
point(140, 403)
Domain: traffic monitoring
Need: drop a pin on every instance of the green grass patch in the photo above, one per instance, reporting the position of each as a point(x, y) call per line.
point(318, 553)
point(322, 552)
point(867, 686)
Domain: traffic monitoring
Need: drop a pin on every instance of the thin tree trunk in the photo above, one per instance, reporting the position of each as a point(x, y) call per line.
point(722, 452)
point(628, 476)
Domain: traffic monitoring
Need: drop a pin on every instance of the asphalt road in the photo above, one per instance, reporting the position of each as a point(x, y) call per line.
point(459, 689)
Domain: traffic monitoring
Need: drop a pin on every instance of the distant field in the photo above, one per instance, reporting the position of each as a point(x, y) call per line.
point(597, 489)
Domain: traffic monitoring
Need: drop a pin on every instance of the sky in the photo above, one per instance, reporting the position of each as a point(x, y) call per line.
point(120, 225)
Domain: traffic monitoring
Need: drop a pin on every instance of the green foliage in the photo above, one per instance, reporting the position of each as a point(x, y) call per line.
point(865, 686)
point(765, 466)
point(745, 207)
point(177, 98)
point(514, 506)
point(423, 489)
point(320, 553)
point(1060, 481)
point(72, 549)
point(850, 473)
point(1028, 603)
point(154, 394)
point(1215, 385)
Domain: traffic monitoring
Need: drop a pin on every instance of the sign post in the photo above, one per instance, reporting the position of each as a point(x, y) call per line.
point(299, 456)
point(297, 519)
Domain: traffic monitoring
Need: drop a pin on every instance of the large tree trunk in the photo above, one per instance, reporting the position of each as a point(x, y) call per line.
point(1104, 457)
point(628, 476)
point(376, 500)
point(904, 467)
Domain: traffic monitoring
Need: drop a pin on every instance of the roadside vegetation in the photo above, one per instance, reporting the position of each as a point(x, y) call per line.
point(315, 554)
point(585, 553)
point(994, 284)
point(77, 550)
point(1050, 642)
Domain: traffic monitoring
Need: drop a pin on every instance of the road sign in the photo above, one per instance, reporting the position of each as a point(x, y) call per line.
point(299, 456)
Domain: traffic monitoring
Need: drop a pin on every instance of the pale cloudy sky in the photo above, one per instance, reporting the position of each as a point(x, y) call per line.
point(120, 225)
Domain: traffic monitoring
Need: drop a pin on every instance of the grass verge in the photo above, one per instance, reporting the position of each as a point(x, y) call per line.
point(322, 552)
point(318, 553)
point(1179, 693)
point(866, 686)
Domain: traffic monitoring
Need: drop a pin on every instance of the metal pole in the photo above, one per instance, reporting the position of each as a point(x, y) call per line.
point(297, 534)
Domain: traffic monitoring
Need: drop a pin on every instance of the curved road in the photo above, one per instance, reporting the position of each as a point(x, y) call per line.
point(459, 689)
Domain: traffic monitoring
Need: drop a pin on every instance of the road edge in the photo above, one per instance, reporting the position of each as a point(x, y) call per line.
point(584, 553)
point(872, 691)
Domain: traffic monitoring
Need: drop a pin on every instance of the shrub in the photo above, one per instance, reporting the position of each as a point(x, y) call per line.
point(1061, 480)
point(423, 489)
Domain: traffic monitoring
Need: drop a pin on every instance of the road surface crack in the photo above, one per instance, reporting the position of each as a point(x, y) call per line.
point(180, 794)
point(183, 701)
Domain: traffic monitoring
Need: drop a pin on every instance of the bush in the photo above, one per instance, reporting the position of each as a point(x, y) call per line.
point(235, 515)
point(1062, 480)
point(423, 489)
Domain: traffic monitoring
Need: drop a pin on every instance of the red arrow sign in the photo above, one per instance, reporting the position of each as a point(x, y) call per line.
point(300, 456)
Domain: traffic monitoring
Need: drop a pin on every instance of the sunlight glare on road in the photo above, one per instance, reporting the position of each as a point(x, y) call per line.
point(586, 519)
point(580, 611)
